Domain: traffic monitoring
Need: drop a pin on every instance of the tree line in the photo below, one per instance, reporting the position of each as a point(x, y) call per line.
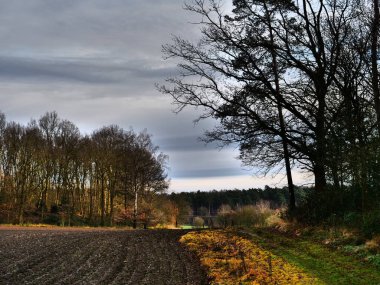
point(50, 172)
point(245, 207)
point(295, 85)
point(202, 203)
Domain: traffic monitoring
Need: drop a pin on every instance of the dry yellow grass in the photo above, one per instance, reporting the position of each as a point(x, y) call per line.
point(231, 259)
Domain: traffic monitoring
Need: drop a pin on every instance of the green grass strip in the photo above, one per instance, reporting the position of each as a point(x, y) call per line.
point(328, 265)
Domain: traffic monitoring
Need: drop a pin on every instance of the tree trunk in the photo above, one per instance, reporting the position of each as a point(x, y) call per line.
point(20, 214)
point(320, 177)
point(320, 161)
point(112, 196)
point(320, 136)
point(375, 84)
point(135, 211)
point(374, 67)
point(102, 202)
point(91, 210)
point(44, 194)
point(292, 201)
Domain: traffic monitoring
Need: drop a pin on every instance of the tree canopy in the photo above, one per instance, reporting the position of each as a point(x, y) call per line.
point(295, 84)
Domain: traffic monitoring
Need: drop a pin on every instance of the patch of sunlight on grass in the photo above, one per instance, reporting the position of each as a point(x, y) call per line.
point(328, 265)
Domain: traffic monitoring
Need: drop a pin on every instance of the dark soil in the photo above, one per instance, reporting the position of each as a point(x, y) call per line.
point(90, 256)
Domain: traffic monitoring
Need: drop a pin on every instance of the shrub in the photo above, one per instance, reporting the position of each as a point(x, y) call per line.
point(198, 222)
point(54, 209)
point(225, 216)
point(374, 259)
point(263, 211)
point(253, 215)
point(327, 207)
point(246, 216)
point(371, 223)
point(276, 220)
point(352, 219)
point(373, 245)
point(52, 219)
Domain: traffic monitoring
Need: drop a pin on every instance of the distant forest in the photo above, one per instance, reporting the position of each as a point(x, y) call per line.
point(210, 202)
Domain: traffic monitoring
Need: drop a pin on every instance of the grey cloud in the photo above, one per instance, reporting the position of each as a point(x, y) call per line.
point(208, 172)
point(95, 62)
point(77, 70)
point(130, 29)
point(186, 143)
point(44, 70)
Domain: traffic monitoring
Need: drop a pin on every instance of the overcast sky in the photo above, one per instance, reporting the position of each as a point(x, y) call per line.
point(96, 62)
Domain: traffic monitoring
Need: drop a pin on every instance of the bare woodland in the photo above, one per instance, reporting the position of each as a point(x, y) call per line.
point(51, 173)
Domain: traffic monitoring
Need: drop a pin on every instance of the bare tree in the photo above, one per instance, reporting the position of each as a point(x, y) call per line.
point(48, 124)
point(146, 171)
point(267, 73)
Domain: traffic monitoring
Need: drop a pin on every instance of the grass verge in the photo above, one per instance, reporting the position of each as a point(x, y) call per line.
point(329, 265)
point(231, 259)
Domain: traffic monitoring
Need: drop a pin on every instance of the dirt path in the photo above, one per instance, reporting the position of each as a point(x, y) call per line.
point(56, 256)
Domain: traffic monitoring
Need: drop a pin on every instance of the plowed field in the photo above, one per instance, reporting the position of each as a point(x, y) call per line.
point(67, 256)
